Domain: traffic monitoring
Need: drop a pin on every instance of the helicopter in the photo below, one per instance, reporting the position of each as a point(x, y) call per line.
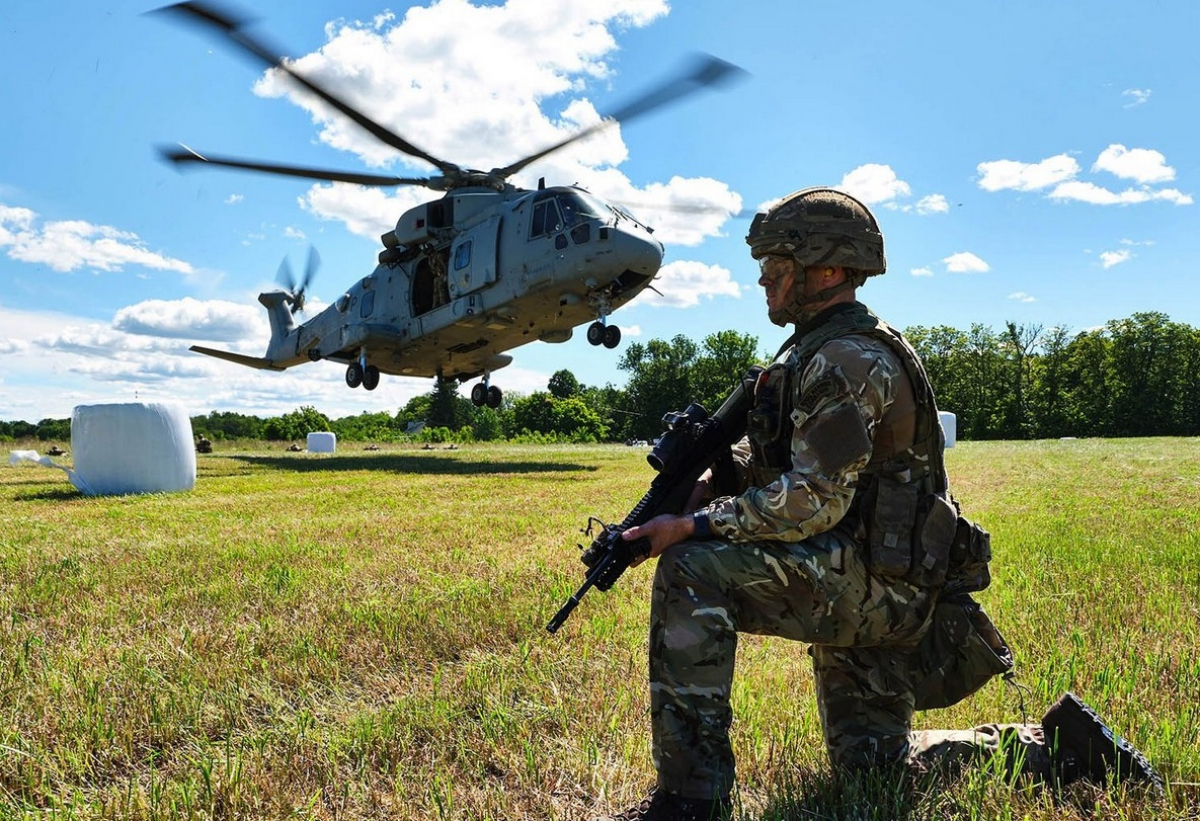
point(465, 278)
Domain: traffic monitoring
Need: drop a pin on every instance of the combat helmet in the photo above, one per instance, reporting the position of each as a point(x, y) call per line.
point(819, 226)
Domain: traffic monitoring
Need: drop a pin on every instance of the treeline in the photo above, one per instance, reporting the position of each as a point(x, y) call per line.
point(662, 374)
point(1134, 377)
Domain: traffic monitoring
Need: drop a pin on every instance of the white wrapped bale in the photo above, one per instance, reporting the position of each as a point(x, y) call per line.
point(322, 442)
point(132, 447)
point(949, 426)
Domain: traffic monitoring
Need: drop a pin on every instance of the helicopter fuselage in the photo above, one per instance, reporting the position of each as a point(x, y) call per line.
point(465, 278)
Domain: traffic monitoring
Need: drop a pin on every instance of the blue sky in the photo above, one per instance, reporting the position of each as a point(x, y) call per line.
point(1028, 161)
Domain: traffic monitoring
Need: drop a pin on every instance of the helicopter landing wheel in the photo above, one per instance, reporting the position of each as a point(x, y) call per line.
point(370, 379)
point(479, 394)
point(612, 336)
point(354, 375)
point(494, 397)
point(595, 333)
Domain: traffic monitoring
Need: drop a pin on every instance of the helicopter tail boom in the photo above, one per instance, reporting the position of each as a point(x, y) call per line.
point(241, 359)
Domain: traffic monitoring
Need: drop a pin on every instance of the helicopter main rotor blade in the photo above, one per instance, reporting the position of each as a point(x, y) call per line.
point(185, 155)
point(232, 26)
point(707, 70)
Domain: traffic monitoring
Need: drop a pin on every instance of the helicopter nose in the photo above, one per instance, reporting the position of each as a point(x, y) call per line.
point(641, 253)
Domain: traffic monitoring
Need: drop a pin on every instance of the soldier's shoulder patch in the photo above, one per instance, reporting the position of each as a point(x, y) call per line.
point(829, 385)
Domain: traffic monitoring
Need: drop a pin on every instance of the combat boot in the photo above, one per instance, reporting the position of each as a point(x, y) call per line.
point(660, 805)
point(1083, 746)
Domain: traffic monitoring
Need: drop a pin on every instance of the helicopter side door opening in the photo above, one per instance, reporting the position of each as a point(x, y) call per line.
point(430, 282)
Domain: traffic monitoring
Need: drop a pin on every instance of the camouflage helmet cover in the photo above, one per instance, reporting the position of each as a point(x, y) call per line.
point(820, 226)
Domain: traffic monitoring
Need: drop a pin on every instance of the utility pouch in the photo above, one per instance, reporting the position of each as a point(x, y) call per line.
point(970, 553)
point(766, 421)
point(959, 653)
point(937, 526)
point(890, 526)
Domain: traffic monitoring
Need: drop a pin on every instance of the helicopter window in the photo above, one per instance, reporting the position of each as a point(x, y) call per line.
point(546, 219)
point(581, 233)
point(578, 207)
point(462, 256)
point(560, 242)
point(368, 304)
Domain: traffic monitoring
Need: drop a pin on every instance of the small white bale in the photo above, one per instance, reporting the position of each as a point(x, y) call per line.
point(322, 442)
point(949, 426)
point(132, 447)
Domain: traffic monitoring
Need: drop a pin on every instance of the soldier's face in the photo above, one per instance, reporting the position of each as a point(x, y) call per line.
point(777, 275)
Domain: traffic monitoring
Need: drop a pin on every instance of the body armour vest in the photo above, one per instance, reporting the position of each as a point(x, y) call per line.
point(902, 495)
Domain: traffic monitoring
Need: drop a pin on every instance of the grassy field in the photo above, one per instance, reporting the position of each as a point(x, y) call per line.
point(362, 636)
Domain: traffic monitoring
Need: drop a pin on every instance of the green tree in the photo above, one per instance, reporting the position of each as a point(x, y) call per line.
point(724, 359)
point(228, 425)
point(1047, 392)
point(563, 384)
point(533, 413)
point(446, 405)
point(58, 430)
point(296, 425)
point(1017, 345)
point(576, 421)
point(659, 381)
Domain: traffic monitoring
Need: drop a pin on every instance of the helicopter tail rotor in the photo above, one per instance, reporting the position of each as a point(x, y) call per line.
point(287, 279)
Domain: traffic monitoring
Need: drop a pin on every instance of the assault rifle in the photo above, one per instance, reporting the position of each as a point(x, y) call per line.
point(691, 443)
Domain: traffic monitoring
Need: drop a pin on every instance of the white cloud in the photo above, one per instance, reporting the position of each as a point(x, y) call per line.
point(1110, 258)
point(234, 199)
point(1096, 195)
point(1002, 175)
point(1136, 96)
point(189, 318)
point(90, 362)
point(922, 272)
point(67, 245)
point(467, 83)
point(13, 346)
point(1143, 165)
point(681, 211)
point(291, 232)
point(965, 262)
point(932, 204)
point(455, 74)
point(684, 282)
point(1021, 296)
point(874, 184)
point(367, 212)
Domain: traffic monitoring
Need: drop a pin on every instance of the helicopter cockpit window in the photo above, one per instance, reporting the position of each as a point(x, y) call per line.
point(578, 206)
point(546, 219)
point(462, 256)
point(368, 304)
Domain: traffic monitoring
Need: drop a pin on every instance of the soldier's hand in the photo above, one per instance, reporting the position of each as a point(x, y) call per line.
point(702, 493)
point(662, 531)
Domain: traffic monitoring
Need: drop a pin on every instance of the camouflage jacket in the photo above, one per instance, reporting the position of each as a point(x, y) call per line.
point(848, 406)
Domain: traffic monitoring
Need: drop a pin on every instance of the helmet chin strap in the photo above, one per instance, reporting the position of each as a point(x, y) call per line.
point(798, 309)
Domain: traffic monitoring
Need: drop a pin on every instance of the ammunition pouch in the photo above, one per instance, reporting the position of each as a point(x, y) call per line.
point(970, 553)
point(910, 534)
point(959, 653)
point(768, 424)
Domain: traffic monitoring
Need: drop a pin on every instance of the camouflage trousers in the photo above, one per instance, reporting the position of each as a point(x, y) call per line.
point(863, 631)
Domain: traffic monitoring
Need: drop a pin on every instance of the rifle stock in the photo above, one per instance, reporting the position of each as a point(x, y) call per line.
point(692, 443)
